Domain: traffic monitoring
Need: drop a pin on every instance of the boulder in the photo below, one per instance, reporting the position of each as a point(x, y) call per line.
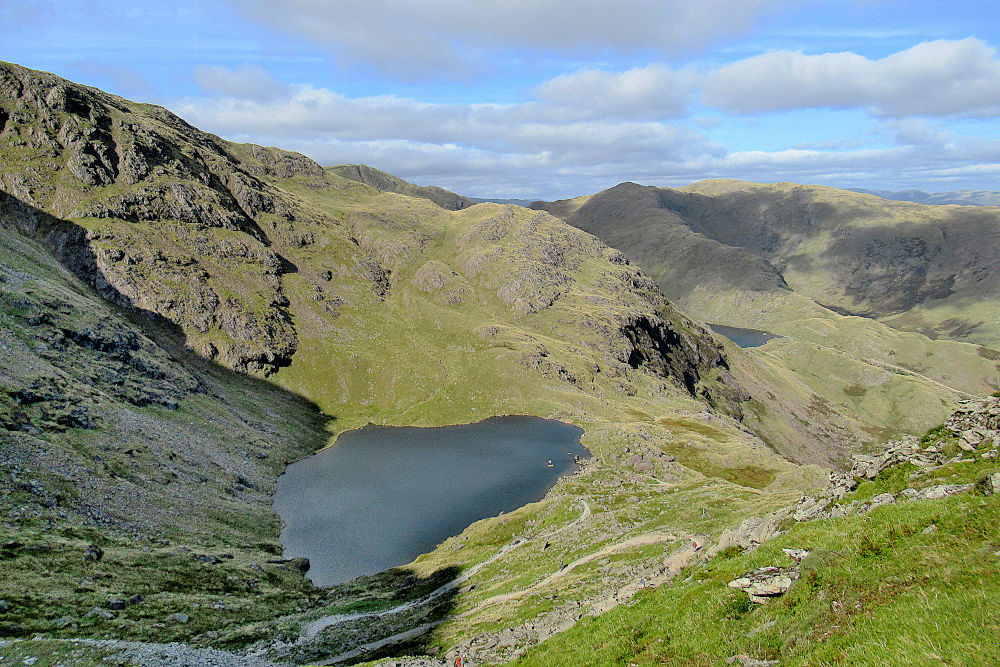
point(879, 501)
point(751, 532)
point(178, 618)
point(65, 622)
point(97, 612)
point(765, 582)
point(989, 485)
point(942, 491)
point(301, 564)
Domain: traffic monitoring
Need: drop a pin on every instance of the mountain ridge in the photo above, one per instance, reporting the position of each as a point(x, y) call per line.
point(387, 182)
point(956, 197)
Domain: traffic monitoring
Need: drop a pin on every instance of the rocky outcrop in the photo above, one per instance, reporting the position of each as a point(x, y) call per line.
point(766, 582)
point(976, 424)
point(127, 162)
point(975, 427)
point(971, 419)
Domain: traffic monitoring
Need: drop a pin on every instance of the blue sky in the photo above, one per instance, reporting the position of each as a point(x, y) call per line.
point(566, 97)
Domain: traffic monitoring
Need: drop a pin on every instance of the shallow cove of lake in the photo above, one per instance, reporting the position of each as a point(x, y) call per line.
point(383, 495)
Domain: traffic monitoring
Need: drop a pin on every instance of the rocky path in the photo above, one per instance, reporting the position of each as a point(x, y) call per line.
point(637, 541)
point(374, 646)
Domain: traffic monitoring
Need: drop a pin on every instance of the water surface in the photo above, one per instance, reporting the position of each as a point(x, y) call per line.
point(381, 496)
point(744, 337)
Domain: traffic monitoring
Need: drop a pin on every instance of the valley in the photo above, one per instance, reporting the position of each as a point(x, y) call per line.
point(183, 317)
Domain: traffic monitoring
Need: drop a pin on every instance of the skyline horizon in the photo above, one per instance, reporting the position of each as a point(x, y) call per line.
point(552, 101)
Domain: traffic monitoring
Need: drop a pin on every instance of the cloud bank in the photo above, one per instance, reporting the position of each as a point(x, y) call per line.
point(453, 38)
point(936, 78)
point(591, 129)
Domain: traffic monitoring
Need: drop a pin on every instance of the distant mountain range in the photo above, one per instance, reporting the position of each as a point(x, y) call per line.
point(959, 197)
point(932, 269)
point(515, 202)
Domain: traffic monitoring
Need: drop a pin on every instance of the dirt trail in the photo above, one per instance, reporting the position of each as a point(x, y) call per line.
point(674, 563)
point(637, 541)
point(312, 629)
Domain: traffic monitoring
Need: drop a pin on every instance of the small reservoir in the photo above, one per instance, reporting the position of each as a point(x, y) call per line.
point(744, 337)
point(383, 495)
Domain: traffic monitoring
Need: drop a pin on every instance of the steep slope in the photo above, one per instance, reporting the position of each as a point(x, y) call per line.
point(865, 255)
point(127, 465)
point(362, 173)
point(376, 306)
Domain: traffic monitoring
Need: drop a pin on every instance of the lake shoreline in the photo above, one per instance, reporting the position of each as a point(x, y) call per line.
point(386, 495)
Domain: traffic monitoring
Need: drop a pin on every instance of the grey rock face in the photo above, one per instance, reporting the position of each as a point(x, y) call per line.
point(765, 582)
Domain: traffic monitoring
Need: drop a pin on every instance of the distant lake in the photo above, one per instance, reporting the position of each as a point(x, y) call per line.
point(382, 495)
point(744, 337)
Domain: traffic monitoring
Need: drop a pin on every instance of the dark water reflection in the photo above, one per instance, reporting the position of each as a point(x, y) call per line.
point(384, 495)
point(744, 337)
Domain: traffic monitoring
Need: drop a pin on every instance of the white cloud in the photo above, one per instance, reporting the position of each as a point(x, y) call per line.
point(652, 92)
point(251, 83)
point(426, 39)
point(536, 149)
point(528, 128)
point(936, 78)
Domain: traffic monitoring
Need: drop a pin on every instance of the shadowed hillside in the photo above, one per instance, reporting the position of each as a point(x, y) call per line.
point(959, 197)
point(782, 257)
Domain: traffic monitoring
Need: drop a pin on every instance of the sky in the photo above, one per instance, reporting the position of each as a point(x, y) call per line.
point(531, 99)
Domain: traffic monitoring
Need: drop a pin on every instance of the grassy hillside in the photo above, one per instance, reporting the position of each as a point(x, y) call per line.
point(389, 183)
point(905, 582)
point(164, 288)
point(768, 256)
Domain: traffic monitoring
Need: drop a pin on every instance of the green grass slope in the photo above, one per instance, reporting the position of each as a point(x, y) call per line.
point(908, 583)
